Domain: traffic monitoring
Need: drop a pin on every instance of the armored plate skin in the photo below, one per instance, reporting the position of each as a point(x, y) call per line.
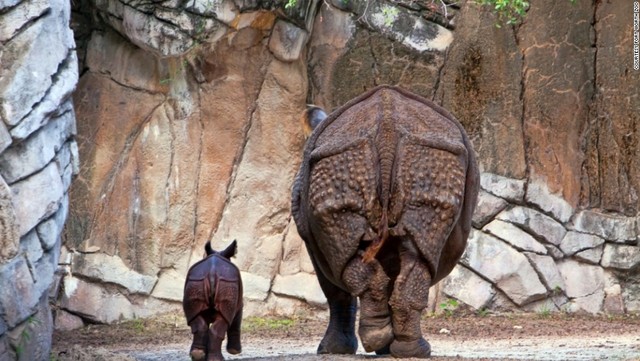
point(213, 283)
point(383, 200)
point(212, 304)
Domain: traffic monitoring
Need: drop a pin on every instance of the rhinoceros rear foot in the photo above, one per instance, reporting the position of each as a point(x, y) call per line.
point(197, 354)
point(234, 346)
point(376, 337)
point(336, 342)
point(234, 350)
point(384, 351)
point(419, 348)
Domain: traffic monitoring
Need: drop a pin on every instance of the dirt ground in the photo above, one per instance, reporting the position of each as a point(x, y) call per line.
point(453, 337)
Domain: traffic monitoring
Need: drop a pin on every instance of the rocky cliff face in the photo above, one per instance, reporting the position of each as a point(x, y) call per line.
point(38, 157)
point(188, 130)
point(195, 136)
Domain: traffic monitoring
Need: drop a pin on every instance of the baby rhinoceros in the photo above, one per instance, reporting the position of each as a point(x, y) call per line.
point(212, 304)
point(383, 200)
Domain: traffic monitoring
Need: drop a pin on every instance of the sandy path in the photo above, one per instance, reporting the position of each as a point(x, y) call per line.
point(619, 348)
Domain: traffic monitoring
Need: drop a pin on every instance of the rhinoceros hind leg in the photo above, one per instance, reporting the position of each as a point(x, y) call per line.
point(369, 281)
point(409, 298)
point(216, 335)
point(384, 351)
point(199, 329)
point(197, 355)
point(340, 337)
point(419, 348)
point(234, 346)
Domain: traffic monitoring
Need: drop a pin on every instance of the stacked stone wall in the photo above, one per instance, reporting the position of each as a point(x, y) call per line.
point(531, 251)
point(38, 159)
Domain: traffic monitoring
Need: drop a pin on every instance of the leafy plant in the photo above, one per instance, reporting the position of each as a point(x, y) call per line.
point(25, 335)
point(449, 306)
point(254, 323)
point(509, 11)
point(389, 15)
point(290, 4)
point(483, 312)
point(138, 325)
point(544, 312)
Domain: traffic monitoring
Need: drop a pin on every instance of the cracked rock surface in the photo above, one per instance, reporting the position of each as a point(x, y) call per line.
point(183, 127)
point(190, 137)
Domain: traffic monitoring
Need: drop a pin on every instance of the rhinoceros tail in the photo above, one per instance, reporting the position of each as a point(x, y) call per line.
point(383, 233)
point(386, 141)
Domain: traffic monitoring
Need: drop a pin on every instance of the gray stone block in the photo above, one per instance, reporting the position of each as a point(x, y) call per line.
point(53, 105)
point(503, 187)
point(36, 54)
point(592, 255)
point(65, 321)
point(592, 303)
point(538, 224)
point(554, 251)
point(466, 286)
point(622, 257)
point(581, 280)
point(15, 19)
point(515, 236)
point(31, 248)
point(403, 26)
point(631, 294)
point(33, 336)
point(538, 194)
point(613, 301)
point(18, 294)
point(548, 271)
point(302, 286)
point(35, 153)
point(255, 287)
point(5, 353)
point(37, 198)
point(613, 228)
point(487, 208)
point(574, 242)
point(112, 269)
point(46, 269)
point(509, 270)
point(49, 231)
point(5, 137)
point(3, 326)
point(9, 236)
point(94, 302)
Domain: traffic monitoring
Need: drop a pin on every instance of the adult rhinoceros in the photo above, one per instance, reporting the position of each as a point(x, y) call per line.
point(383, 200)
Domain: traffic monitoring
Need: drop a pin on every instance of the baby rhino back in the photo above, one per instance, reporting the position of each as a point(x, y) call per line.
point(213, 283)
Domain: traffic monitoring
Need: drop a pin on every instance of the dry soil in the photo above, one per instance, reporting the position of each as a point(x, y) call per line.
point(453, 337)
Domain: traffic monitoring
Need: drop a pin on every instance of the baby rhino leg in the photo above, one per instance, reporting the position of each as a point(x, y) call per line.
point(216, 335)
point(199, 329)
point(234, 345)
point(371, 284)
point(409, 298)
